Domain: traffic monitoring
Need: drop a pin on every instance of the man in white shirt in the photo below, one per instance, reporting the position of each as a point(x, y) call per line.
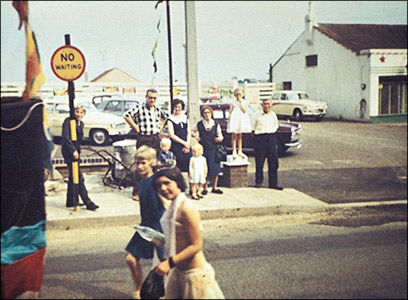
point(264, 126)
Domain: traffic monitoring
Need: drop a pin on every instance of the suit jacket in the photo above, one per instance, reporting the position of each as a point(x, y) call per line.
point(68, 147)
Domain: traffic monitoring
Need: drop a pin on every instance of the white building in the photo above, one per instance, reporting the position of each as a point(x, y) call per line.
point(360, 70)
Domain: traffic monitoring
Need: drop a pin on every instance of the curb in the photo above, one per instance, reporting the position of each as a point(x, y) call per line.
point(206, 214)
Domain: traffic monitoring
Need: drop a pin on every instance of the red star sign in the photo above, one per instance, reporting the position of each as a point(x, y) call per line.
point(382, 58)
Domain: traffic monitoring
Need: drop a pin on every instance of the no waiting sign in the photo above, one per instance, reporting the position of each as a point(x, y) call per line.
point(68, 63)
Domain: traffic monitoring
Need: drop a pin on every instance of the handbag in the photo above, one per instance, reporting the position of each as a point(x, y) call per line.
point(220, 153)
point(153, 286)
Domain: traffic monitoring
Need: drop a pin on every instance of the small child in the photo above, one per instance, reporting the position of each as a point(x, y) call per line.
point(166, 158)
point(197, 171)
point(238, 122)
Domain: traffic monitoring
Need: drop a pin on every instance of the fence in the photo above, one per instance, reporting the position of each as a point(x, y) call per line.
point(254, 92)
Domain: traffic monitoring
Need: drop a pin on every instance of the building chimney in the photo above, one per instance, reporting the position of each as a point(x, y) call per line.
point(310, 21)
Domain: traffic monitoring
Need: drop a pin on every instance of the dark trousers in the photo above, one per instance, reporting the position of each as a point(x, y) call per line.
point(152, 141)
point(265, 147)
point(82, 192)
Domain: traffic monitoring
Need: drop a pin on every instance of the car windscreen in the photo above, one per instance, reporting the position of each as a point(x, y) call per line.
point(293, 96)
point(303, 96)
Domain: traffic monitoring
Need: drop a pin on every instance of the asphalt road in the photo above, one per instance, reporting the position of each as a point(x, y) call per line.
point(341, 162)
point(270, 257)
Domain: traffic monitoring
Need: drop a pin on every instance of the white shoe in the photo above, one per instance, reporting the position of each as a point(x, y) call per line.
point(234, 154)
point(240, 153)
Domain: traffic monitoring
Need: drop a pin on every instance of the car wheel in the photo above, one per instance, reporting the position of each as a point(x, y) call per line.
point(297, 114)
point(99, 137)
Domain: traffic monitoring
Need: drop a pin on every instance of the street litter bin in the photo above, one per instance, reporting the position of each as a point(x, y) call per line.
point(124, 151)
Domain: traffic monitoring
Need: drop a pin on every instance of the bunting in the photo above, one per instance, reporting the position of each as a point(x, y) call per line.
point(157, 4)
point(157, 41)
point(154, 57)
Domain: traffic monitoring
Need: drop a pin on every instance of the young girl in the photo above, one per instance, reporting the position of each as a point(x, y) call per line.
point(238, 121)
point(190, 274)
point(197, 171)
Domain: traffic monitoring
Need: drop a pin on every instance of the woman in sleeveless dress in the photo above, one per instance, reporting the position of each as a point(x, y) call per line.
point(180, 134)
point(208, 133)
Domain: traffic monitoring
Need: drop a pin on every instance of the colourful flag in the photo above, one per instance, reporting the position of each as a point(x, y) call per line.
point(21, 7)
point(34, 74)
point(23, 218)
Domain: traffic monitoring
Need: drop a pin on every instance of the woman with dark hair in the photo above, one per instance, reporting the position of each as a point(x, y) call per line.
point(180, 134)
point(208, 133)
point(190, 275)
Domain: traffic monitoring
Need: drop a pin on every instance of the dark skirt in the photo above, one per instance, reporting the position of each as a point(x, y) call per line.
point(183, 159)
point(214, 168)
point(140, 248)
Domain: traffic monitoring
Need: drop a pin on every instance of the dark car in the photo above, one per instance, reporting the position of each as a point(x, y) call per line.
point(288, 133)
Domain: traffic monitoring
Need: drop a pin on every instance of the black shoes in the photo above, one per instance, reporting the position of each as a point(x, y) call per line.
point(217, 191)
point(92, 206)
point(279, 188)
point(80, 204)
point(204, 192)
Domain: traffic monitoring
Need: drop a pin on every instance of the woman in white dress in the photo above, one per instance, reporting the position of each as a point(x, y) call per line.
point(238, 121)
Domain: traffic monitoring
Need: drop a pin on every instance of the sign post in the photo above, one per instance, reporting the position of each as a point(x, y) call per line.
point(68, 64)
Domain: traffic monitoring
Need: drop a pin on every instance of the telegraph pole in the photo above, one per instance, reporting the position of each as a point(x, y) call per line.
point(170, 56)
point(191, 63)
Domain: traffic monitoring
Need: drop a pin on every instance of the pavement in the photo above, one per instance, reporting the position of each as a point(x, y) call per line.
point(116, 206)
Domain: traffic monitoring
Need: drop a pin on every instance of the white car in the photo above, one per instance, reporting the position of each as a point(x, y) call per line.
point(99, 127)
point(297, 105)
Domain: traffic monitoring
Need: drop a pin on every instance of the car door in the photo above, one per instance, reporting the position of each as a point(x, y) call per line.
point(278, 103)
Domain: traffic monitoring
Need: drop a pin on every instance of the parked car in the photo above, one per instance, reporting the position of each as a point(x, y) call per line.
point(99, 98)
point(118, 106)
point(99, 127)
point(288, 134)
point(297, 105)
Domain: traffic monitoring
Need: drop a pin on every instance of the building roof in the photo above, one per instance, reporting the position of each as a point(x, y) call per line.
point(115, 75)
point(357, 37)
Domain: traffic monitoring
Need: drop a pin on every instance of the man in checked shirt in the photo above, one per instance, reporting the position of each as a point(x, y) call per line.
point(147, 120)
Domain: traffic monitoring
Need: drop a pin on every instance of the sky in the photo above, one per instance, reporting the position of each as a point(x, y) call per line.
point(234, 38)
